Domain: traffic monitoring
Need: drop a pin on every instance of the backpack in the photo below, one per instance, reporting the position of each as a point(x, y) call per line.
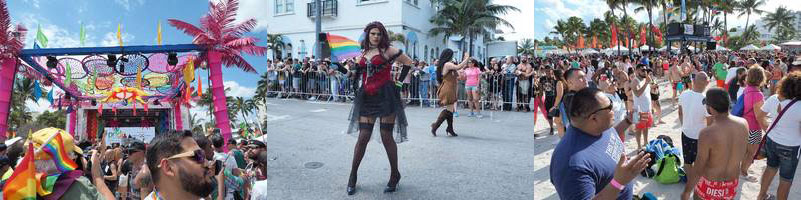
point(668, 169)
point(738, 108)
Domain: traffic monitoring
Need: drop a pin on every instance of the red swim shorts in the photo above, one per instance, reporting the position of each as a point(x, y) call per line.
point(646, 121)
point(716, 189)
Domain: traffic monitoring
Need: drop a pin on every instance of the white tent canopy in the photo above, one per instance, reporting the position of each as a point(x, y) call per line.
point(750, 47)
point(771, 47)
point(721, 48)
point(646, 48)
point(589, 51)
point(622, 48)
point(791, 43)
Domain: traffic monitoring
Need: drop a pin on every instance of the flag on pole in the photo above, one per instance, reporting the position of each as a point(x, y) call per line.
point(200, 87)
point(158, 36)
point(594, 41)
point(119, 33)
point(613, 41)
point(36, 45)
point(139, 77)
point(22, 183)
point(67, 75)
point(580, 44)
point(37, 91)
point(50, 95)
point(83, 35)
point(55, 148)
point(41, 37)
point(642, 35)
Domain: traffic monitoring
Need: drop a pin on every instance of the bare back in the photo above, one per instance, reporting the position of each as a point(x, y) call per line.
point(724, 144)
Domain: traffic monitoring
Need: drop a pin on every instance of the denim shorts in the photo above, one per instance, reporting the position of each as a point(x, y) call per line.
point(783, 157)
point(471, 88)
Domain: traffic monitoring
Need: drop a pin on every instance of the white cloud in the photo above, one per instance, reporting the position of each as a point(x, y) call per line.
point(126, 4)
point(237, 90)
point(255, 9)
point(110, 39)
point(34, 3)
point(40, 107)
point(57, 37)
point(520, 20)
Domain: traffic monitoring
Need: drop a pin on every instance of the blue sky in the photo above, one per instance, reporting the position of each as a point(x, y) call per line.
point(61, 21)
point(547, 12)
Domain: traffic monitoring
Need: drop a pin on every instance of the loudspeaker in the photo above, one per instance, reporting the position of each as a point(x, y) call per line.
point(674, 29)
point(322, 36)
point(711, 45)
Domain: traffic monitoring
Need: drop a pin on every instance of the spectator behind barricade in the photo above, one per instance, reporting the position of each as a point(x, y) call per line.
point(257, 152)
point(509, 67)
point(179, 167)
point(238, 155)
point(425, 81)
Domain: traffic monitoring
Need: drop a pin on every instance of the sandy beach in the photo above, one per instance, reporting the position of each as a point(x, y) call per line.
point(543, 148)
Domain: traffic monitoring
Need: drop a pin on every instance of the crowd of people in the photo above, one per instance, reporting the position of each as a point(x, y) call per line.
point(173, 165)
point(734, 108)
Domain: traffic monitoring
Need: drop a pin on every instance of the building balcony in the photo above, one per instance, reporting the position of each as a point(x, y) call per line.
point(330, 8)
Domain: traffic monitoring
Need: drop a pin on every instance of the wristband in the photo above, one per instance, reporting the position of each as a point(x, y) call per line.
point(617, 185)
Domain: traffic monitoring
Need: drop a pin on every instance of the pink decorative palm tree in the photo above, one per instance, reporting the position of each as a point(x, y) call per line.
point(11, 43)
point(225, 43)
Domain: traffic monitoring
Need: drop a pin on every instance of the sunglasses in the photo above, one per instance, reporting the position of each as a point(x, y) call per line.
point(604, 108)
point(198, 155)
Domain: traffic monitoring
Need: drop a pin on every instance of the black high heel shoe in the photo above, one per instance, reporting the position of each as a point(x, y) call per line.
point(392, 187)
point(451, 133)
point(352, 185)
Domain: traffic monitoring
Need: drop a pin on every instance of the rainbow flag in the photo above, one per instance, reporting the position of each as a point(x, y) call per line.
point(342, 48)
point(57, 151)
point(22, 183)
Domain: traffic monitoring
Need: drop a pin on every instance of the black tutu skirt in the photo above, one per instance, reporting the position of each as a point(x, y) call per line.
point(385, 103)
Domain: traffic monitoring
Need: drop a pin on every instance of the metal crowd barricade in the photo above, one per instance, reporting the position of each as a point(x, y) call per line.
point(499, 92)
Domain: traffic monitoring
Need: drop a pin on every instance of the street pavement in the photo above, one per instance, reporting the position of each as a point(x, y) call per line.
point(310, 156)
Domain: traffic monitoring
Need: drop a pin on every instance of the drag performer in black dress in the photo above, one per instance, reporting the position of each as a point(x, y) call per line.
point(378, 97)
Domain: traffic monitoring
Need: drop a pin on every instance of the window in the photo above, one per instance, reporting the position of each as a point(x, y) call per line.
point(284, 6)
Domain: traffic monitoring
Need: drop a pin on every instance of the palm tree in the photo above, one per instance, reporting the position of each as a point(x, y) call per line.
point(609, 19)
point(197, 123)
point(784, 33)
point(726, 6)
point(396, 37)
point(243, 107)
point(782, 17)
point(225, 42)
point(468, 18)
point(575, 29)
point(275, 42)
point(747, 7)
point(717, 26)
point(12, 39)
point(599, 29)
point(750, 35)
point(526, 47)
point(561, 29)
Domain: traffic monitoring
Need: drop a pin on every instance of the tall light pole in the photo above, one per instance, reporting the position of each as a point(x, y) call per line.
point(317, 29)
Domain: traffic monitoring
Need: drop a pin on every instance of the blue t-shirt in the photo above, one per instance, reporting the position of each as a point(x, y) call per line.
point(582, 164)
point(432, 69)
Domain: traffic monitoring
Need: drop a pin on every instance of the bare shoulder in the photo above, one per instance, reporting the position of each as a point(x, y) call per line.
point(741, 123)
point(392, 51)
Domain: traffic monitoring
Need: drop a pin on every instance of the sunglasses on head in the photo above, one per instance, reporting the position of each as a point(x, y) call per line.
point(198, 155)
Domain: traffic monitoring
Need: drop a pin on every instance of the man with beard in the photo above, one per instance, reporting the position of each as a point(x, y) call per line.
point(178, 167)
point(642, 104)
point(257, 152)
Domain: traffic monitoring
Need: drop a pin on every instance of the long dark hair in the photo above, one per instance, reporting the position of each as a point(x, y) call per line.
point(382, 45)
point(444, 57)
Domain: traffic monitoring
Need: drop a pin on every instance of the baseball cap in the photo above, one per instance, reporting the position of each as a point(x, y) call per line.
point(135, 146)
point(256, 144)
point(41, 137)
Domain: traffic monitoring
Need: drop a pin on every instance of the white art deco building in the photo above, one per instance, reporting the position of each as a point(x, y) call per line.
point(295, 20)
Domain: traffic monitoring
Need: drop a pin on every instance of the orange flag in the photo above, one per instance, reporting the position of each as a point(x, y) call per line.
point(594, 42)
point(580, 44)
point(613, 41)
point(642, 35)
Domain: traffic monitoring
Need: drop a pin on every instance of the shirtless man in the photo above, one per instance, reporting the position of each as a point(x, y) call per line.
point(524, 72)
point(675, 78)
point(721, 150)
